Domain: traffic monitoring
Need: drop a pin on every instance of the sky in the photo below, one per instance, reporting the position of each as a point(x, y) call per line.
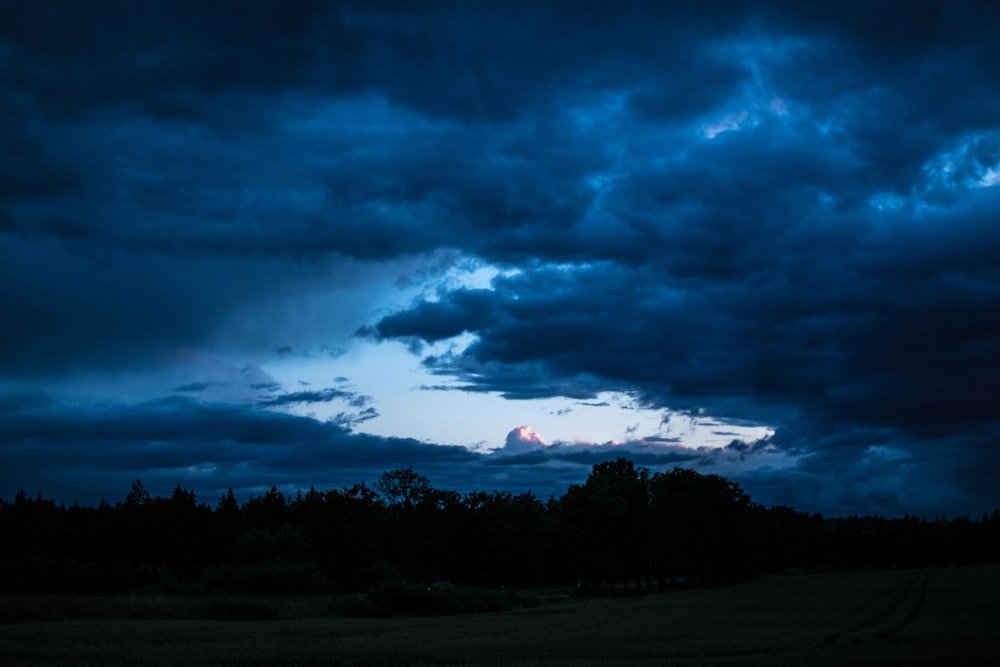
point(246, 244)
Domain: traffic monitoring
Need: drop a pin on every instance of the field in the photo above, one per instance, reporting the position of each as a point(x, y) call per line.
point(931, 617)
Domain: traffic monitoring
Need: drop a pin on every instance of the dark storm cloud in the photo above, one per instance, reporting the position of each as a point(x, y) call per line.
point(77, 453)
point(296, 105)
point(778, 212)
point(291, 111)
point(69, 310)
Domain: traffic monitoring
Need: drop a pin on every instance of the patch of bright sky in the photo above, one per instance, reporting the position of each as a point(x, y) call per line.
point(393, 377)
point(466, 273)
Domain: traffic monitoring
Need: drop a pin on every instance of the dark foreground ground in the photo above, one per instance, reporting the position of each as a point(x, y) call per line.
point(931, 617)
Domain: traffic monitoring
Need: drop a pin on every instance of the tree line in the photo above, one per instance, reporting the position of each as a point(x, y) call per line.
point(625, 529)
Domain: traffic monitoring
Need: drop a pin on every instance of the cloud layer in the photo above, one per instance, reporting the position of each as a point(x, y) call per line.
point(779, 213)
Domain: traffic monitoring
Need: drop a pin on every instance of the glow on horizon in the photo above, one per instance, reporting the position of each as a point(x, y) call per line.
point(396, 383)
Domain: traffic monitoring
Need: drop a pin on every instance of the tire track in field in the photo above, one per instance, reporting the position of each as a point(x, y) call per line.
point(891, 619)
point(912, 605)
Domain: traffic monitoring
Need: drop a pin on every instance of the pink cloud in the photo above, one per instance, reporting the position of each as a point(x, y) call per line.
point(523, 439)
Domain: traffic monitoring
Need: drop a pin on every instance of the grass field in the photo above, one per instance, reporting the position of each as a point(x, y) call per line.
point(932, 617)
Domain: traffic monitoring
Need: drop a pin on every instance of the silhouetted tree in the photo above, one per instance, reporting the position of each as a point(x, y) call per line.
point(701, 523)
point(227, 504)
point(351, 538)
point(402, 487)
point(502, 539)
point(268, 511)
point(138, 496)
point(609, 520)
